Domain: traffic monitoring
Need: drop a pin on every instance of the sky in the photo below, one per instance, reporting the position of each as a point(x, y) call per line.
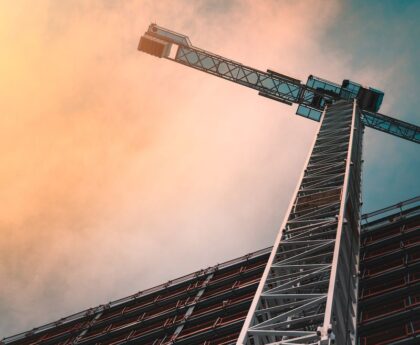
point(120, 171)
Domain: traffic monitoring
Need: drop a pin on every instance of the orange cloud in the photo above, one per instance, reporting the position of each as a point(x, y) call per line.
point(118, 170)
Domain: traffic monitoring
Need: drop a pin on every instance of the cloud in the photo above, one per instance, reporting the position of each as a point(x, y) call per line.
point(120, 171)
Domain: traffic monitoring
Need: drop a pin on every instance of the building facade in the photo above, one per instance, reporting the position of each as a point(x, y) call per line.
point(389, 285)
point(209, 307)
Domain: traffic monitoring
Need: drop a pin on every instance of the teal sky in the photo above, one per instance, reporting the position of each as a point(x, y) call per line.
point(385, 35)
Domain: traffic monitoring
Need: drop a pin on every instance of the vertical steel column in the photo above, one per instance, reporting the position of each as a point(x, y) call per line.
point(190, 309)
point(86, 327)
point(308, 292)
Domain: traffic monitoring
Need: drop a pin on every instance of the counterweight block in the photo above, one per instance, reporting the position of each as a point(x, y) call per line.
point(154, 46)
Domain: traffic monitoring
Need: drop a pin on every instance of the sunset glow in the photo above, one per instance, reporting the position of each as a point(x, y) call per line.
point(115, 164)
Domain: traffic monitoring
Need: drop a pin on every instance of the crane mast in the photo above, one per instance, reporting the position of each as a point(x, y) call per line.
point(308, 291)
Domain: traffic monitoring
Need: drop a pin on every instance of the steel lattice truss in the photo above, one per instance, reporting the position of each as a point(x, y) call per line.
point(158, 41)
point(390, 125)
point(309, 289)
point(284, 89)
point(270, 84)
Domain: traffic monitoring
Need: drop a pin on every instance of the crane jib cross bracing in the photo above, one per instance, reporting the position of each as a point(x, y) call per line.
point(308, 292)
point(312, 97)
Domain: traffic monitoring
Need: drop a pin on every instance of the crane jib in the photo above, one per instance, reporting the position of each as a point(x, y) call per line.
point(312, 97)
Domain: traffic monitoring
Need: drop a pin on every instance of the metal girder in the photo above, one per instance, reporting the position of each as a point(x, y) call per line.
point(391, 126)
point(190, 310)
point(158, 41)
point(308, 292)
point(269, 84)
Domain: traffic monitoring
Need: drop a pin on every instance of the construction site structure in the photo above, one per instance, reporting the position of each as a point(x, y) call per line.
point(312, 97)
point(305, 291)
point(307, 294)
point(389, 285)
point(209, 307)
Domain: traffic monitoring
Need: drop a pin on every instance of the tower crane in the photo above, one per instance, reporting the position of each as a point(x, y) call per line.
point(308, 291)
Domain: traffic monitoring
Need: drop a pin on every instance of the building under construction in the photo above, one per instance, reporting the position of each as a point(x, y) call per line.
point(209, 307)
